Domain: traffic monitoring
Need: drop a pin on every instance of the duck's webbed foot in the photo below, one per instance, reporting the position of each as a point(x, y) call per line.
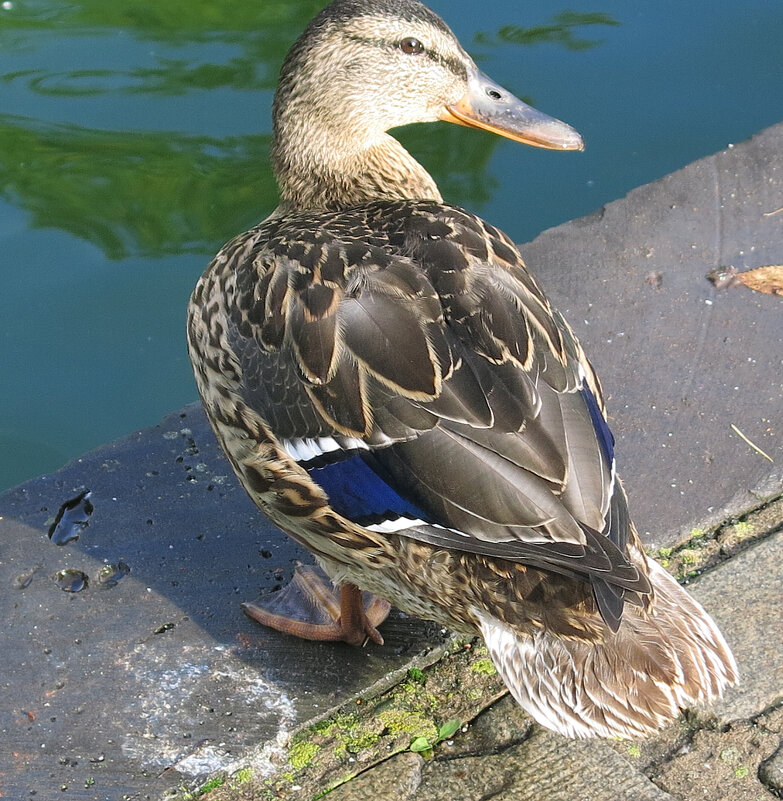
point(310, 607)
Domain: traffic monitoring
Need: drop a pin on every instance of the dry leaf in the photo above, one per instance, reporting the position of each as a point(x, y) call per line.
point(767, 279)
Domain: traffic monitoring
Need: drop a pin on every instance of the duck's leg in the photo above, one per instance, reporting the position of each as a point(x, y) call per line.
point(311, 608)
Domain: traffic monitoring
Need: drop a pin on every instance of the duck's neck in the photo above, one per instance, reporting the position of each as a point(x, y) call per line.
point(319, 170)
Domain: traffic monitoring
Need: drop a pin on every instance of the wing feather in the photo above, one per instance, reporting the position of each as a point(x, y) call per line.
point(478, 489)
point(387, 337)
point(435, 347)
point(313, 339)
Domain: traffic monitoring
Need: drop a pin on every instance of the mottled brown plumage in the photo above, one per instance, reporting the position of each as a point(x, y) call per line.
point(395, 392)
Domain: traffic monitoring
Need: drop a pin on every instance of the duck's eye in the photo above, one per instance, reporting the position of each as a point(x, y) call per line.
point(411, 46)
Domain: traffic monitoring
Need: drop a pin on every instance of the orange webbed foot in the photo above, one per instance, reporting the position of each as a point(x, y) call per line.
point(312, 608)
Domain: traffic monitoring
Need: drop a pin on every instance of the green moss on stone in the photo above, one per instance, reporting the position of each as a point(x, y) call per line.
point(360, 741)
point(417, 676)
point(301, 754)
point(331, 727)
point(212, 784)
point(401, 721)
point(484, 667)
point(742, 529)
point(243, 776)
point(688, 556)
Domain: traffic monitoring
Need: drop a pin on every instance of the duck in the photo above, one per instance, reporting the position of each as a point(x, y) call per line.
point(395, 392)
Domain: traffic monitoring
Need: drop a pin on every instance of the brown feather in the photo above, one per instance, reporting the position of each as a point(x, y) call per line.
point(313, 341)
point(365, 314)
point(387, 337)
point(343, 400)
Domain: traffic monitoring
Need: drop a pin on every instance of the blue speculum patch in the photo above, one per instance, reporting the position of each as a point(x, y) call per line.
point(605, 436)
point(357, 492)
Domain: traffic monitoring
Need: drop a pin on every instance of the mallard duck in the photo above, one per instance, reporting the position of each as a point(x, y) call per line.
point(396, 393)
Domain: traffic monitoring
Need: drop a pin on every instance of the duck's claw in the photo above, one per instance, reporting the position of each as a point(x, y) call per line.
point(310, 607)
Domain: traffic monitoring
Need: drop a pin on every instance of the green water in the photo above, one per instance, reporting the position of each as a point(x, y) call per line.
point(133, 143)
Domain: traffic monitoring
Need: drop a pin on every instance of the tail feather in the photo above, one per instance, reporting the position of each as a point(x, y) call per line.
point(629, 685)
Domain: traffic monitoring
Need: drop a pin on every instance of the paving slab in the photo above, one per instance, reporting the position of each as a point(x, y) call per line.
point(681, 361)
point(155, 678)
point(146, 679)
point(771, 769)
point(745, 596)
point(720, 764)
point(544, 766)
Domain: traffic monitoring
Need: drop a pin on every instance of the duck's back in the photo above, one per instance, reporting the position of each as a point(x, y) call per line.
point(403, 357)
point(395, 392)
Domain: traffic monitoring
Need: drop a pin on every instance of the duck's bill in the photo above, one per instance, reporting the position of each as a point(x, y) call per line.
point(491, 107)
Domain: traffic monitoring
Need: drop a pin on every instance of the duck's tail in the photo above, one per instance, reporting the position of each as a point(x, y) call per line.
point(632, 683)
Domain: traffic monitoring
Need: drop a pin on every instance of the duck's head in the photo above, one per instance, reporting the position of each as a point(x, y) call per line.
point(362, 67)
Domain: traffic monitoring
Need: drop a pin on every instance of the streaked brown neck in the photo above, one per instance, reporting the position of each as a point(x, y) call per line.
point(319, 167)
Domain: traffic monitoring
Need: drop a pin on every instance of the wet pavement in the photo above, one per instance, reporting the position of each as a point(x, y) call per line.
point(680, 360)
point(137, 681)
point(148, 677)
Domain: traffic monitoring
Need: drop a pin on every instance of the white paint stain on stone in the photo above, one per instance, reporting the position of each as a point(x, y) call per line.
point(209, 713)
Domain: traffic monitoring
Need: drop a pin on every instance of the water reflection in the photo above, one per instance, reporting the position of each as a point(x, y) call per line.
point(562, 30)
point(147, 193)
point(261, 32)
point(143, 130)
point(157, 192)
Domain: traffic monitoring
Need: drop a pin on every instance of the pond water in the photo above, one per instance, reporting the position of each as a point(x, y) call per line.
point(134, 137)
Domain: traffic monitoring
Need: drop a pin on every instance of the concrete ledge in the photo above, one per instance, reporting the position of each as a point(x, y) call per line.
point(680, 360)
point(160, 679)
point(150, 681)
